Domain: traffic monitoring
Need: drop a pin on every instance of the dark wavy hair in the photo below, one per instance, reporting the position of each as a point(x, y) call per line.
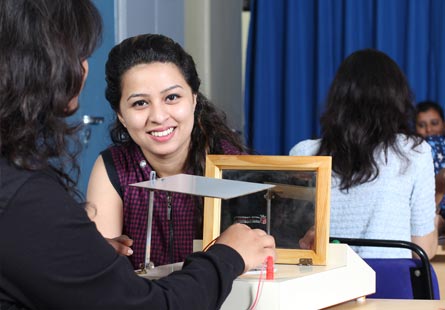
point(43, 44)
point(210, 126)
point(369, 103)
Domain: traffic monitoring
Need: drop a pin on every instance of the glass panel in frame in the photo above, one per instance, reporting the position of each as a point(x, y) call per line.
point(298, 203)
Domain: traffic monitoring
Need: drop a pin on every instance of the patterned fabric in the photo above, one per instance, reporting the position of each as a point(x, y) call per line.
point(175, 216)
point(398, 204)
point(437, 144)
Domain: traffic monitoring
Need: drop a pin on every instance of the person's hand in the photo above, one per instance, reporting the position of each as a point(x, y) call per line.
point(307, 242)
point(121, 244)
point(254, 245)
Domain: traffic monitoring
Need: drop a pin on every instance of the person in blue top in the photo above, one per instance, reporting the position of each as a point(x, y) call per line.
point(430, 124)
point(382, 173)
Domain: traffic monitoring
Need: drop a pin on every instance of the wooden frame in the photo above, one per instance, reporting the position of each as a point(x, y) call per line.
point(320, 165)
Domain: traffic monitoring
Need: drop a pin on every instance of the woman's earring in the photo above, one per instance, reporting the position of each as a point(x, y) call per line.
point(123, 136)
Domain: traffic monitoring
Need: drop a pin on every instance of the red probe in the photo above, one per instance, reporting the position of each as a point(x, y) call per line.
point(269, 268)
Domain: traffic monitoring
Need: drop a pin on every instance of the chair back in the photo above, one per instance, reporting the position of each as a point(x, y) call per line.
point(400, 278)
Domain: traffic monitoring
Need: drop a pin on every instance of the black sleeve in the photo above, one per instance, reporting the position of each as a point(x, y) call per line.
point(111, 171)
point(54, 258)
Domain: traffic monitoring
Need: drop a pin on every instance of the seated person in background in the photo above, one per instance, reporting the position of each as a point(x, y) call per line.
point(430, 124)
point(52, 256)
point(163, 124)
point(429, 119)
point(382, 173)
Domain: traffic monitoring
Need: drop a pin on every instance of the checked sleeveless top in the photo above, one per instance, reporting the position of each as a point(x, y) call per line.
point(176, 217)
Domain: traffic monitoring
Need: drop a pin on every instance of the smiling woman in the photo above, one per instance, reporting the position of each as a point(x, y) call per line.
point(61, 261)
point(157, 109)
point(163, 124)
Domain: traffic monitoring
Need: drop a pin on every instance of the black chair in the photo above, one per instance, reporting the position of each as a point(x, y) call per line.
point(399, 278)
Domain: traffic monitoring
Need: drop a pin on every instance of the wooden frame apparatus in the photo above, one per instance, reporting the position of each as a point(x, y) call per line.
point(320, 166)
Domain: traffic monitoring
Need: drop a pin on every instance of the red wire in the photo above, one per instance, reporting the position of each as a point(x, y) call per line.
point(259, 288)
point(208, 245)
point(260, 279)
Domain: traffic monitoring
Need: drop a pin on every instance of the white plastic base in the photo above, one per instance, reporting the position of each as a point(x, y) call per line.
point(345, 277)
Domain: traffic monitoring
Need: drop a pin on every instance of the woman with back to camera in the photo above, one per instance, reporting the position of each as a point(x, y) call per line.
point(382, 173)
point(52, 255)
point(163, 124)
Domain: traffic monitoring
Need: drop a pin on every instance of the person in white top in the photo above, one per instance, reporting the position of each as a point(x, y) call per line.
point(382, 173)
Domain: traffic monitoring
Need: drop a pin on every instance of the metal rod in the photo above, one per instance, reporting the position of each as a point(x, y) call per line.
point(268, 196)
point(148, 263)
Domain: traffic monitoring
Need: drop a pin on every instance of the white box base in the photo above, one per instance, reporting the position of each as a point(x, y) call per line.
point(345, 277)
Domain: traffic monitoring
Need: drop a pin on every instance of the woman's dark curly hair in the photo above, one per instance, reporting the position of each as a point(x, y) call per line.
point(43, 44)
point(369, 103)
point(210, 127)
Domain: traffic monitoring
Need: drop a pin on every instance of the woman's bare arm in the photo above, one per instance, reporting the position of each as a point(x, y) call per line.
point(428, 242)
point(104, 203)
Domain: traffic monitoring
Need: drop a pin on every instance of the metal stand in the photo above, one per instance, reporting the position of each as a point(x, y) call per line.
point(269, 196)
point(147, 263)
point(192, 185)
